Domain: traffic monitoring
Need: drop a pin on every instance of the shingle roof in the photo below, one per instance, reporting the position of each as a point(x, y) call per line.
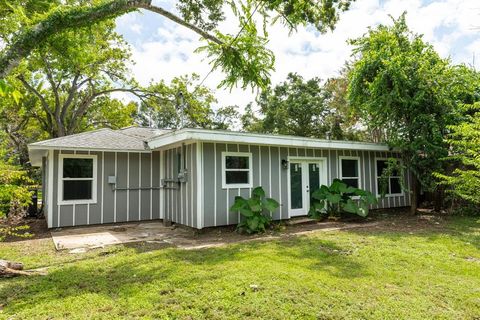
point(102, 139)
point(143, 132)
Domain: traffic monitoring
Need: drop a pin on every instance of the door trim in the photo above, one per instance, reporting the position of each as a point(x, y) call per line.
point(323, 175)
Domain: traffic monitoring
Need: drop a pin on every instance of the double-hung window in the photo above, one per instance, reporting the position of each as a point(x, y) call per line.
point(391, 185)
point(350, 171)
point(77, 179)
point(236, 170)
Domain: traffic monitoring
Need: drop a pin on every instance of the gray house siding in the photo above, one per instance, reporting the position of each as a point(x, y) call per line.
point(180, 204)
point(268, 173)
point(200, 201)
point(132, 170)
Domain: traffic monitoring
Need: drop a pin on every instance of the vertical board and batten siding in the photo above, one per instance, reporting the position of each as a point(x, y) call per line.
point(132, 169)
point(180, 203)
point(268, 173)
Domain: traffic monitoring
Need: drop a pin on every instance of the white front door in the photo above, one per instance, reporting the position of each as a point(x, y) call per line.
point(305, 176)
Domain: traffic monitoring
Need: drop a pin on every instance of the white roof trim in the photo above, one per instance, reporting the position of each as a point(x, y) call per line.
point(37, 147)
point(262, 139)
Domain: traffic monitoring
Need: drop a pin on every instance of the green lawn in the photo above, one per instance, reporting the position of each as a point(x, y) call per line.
point(411, 270)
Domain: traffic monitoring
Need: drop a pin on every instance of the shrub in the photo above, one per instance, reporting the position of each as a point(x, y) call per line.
point(252, 211)
point(464, 153)
point(337, 198)
point(14, 198)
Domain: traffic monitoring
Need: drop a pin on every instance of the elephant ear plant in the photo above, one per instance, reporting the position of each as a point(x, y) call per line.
point(252, 210)
point(339, 197)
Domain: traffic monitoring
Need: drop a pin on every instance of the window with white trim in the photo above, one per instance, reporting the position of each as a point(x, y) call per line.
point(77, 178)
point(350, 171)
point(393, 186)
point(237, 169)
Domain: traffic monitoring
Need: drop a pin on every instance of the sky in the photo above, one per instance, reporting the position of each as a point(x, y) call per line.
point(162, 49)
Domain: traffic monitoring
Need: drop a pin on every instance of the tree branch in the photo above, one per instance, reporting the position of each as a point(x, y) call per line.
point(182, 22)
point(61, 20)
point(70, 96)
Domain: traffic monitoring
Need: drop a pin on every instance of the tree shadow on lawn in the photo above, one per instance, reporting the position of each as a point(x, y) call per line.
point(117, 274)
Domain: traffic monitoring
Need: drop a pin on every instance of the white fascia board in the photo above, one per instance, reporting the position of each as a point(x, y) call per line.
point(36, 147)
point(261, 139)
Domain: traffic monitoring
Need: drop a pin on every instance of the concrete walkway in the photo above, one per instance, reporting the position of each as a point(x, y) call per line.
point(80, 239)
point(99, 236)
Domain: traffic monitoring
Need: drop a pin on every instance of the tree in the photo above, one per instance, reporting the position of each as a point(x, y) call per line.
point(182, 103)
point(464, 138)
point(226, 118)
point(72, 76)
point(249, 120)
point(298, 107)
point(185, 102)
point(243, 56)
point(400, 85)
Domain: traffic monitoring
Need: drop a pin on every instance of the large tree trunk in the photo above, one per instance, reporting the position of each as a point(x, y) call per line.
point(414, 197)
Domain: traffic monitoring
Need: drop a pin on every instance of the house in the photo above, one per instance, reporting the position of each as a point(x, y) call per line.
point(192, 176)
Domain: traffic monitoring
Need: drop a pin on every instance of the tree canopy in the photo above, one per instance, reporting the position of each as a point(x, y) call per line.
point(243, 56)
point(464, 139)
point(306, 108)
point(400, 85)
point(185, 102)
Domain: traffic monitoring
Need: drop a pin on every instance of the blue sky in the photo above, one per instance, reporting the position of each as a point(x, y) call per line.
point(163, 50)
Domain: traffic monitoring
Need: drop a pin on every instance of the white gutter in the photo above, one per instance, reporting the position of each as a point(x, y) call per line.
point(259, 139)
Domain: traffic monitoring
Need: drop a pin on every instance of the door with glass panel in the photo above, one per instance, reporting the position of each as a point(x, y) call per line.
point(305, 178)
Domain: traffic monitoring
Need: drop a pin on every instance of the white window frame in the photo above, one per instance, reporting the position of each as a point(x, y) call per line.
point(377, 192)
point(226, 154)
point(340, 173)
point(61, 157)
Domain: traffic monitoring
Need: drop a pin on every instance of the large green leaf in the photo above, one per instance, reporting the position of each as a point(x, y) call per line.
point(336, 186)
point(246, 212)
point(321, 194)
point(238, 204)
point(271, 204)
point(258, 192)
point(334, 198)
point(253, 223)
point(350, 206)
point(255, 204)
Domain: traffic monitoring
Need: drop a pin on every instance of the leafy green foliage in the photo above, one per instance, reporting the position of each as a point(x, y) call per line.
point(400, 85)
point(464, 138)
point(243, 57)
point(337, 198)
point(301, 107)
point(183, 98)
point(252, 210)
point(15, 196)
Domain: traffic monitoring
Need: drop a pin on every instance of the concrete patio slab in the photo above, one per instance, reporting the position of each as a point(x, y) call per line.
point(100, 236)
point(81, 239)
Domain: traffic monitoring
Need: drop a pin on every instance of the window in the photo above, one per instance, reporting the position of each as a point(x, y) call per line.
point(237, 169)
point(77, 179)
point(392, 186)
point(350, 171)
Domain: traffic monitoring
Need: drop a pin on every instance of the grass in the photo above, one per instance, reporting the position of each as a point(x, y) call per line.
point(395, 271)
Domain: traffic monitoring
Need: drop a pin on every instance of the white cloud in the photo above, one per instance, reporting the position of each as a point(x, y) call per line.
point(449, 25)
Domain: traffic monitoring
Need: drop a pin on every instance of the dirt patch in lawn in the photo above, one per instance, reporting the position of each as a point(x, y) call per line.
point(37, 228)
